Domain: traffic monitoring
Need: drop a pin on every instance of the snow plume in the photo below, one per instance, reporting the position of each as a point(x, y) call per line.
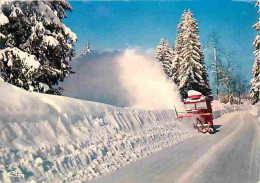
point(96, 79)
point(146, 83)
point(126, 80)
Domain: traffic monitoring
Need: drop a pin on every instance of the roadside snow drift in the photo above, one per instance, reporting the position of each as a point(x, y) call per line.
point(220, 109)
point(47, 138)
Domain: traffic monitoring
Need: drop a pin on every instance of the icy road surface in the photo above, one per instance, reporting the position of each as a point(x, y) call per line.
point(231, 155)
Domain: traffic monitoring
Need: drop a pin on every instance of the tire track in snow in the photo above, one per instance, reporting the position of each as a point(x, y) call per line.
point(198, 166)
point(255, 145)
point(258, 147)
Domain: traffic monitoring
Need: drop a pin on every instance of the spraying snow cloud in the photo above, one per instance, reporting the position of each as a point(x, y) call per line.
point(145, 82)
point(130, 79)
point(96, 79)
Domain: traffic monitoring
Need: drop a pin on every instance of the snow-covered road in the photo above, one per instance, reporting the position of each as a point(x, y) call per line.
point(230, 155)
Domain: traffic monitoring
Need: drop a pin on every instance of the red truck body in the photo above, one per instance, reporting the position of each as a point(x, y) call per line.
point(199, 107)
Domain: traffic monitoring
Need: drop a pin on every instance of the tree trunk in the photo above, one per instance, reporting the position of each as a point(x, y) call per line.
point(217, 76)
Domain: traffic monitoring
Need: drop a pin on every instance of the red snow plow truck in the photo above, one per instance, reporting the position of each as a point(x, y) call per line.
point(199, 107)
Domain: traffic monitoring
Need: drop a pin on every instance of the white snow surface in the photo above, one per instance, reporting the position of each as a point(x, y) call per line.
point(47, 138)
point(202, 159)
point(69, 33)
point(3, 19)
point(193, 92)
point(29, 60)
point(220, 109)
point(51, 41)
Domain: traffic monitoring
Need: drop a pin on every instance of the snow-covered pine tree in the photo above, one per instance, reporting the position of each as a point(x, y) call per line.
point(177, 52)
point(164, 55)
point(255, 81)
point(36, 46)
point(192, 73)
point(160, 51)
point(167, 61)
point(87, 50)
point(176, 59)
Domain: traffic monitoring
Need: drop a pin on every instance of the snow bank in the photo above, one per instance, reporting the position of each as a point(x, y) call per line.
point(54, 138)
point(220, 108)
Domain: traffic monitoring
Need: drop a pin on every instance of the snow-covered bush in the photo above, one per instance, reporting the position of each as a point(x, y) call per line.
point(36, 46)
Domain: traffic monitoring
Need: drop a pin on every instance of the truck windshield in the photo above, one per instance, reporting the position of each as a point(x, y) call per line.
point(190, 107)
point(194, 106)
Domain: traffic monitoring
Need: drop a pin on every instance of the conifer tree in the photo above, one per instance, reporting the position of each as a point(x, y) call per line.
point(160, 51)
point(164, 55)
point(167, 62)
point(176, 60)
point(87, 50)
point(36, 46)
point(255, 81)
point(177, 52)
point(191, 72)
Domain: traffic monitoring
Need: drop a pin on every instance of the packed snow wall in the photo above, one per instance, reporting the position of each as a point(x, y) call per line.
point(46, 138)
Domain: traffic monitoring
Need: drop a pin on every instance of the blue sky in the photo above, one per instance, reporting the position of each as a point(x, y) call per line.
point(110, 25)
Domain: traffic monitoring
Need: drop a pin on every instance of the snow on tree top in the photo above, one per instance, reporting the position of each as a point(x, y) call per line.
point(88, 50)
point(194, 93)
point(45, 11)
point(3, 19)
point(50, 17)
point(15, 11)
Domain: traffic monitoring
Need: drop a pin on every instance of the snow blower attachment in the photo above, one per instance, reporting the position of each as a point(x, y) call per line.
point(198, 106)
